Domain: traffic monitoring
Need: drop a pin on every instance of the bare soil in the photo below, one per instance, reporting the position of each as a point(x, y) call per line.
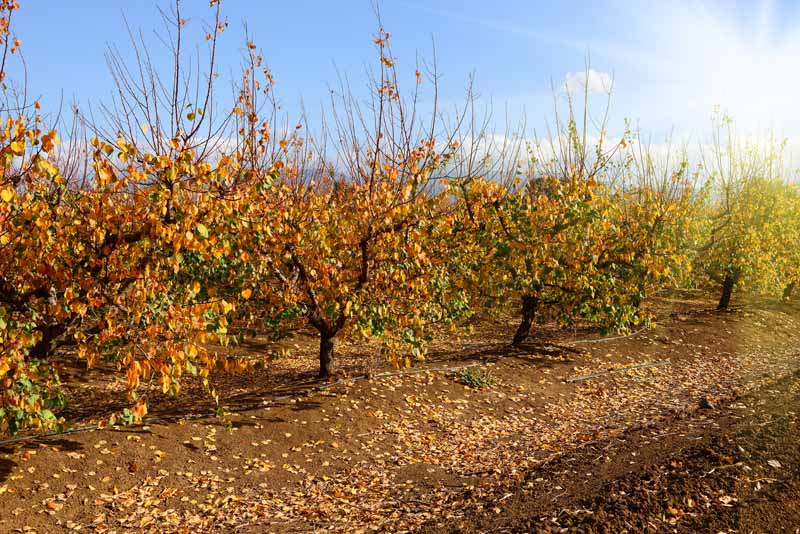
point(706, 443)
point(733, 468)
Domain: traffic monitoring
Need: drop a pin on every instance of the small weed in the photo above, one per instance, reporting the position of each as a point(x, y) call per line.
point(474, 377)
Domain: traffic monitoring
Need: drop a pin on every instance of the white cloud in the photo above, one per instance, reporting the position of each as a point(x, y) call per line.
point(592, 80)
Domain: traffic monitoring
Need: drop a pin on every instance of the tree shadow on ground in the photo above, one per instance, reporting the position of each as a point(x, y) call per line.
point(237, 392)
point(280, 384)
point(539, 353)
point(6, 468)
point(35, 442)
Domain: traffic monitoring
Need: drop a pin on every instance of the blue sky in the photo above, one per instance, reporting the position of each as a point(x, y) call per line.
point(671, 61)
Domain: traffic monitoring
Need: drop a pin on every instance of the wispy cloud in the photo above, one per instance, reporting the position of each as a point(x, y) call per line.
point(606, 50)
point(674, 62)
point(592, 81)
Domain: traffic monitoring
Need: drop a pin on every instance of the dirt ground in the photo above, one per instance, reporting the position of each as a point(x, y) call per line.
point(703, 440)
point(733, 469)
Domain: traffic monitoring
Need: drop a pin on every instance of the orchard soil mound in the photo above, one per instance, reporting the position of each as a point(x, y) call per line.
point(687, 427)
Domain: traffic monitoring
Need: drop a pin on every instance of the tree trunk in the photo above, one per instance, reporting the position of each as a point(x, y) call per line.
point(727, 291)
point(529, 305)
point(326, 345)
point(787, 291)
point(44, 347)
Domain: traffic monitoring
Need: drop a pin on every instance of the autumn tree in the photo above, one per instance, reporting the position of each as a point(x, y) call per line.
point(655, 201)
point(585, 228)
point(740, 240)
point(29, 198)
point(543, 224)
point(787, 220)
point(99, 259)
point(339, 235)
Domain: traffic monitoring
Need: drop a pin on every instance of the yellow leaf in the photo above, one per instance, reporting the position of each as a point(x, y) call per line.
point(246, 293)
point(18, 147)
point(48, 168)
point(7, 194)
point(49, 141)
point(104, 172)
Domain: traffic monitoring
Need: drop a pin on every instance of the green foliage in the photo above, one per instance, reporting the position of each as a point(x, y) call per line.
point(30, 394)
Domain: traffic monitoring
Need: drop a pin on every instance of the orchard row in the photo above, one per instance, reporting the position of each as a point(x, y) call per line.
point(178, 223)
